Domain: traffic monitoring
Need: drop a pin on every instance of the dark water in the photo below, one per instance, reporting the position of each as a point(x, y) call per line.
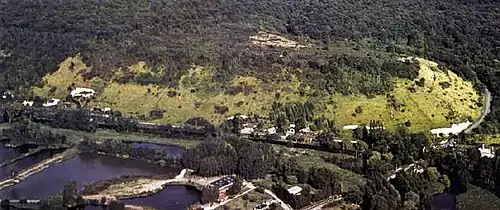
point(88, 168)
point(25, 163)
point(175, 197)
point(7, 153)
point(173, 150)
point(84, 169)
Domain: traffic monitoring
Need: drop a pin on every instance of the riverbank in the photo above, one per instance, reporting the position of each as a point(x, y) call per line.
point(104, 134)
point(143, 186)
point(127, 187)
point(66, 155)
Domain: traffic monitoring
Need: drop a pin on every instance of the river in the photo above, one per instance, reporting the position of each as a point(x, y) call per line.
point(88, 168)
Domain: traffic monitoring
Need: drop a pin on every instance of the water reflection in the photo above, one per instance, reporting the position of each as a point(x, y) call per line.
point(172, 198)
point(84, 169)
point(88, 168)
point(172, 150)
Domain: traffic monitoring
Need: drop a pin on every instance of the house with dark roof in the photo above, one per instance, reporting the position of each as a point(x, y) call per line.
point(223, 184)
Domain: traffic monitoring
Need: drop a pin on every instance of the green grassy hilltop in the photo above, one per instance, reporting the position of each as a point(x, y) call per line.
point(436, 98)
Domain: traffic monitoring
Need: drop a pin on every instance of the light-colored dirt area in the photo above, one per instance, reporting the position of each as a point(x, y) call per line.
point(135, 187)
point(267, 39)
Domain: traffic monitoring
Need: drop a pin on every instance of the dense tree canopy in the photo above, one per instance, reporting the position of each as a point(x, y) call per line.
point(348, 36)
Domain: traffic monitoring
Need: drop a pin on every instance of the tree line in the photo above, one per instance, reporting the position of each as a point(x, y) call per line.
point(117, 147)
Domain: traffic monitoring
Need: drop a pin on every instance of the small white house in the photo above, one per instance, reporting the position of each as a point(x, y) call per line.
point(28, 103)
point(239, 116)
point(295, 190)
point(51, 102)
point(485, 152)
point(305, 130)
point(271, 130)
point(247, 130)
point(7, 94)
point(82, 92)
point(353, 127)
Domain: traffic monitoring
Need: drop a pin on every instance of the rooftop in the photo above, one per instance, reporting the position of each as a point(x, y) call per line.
point(228, 180)
point(294, 190)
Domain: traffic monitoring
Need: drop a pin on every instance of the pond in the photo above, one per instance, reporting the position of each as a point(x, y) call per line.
point(172, 150)
point(176, 197)
point(88, 168)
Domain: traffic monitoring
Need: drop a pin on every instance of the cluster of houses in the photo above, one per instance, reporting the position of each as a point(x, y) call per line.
point(265, 205)
point(76, 93)
point(304, 134)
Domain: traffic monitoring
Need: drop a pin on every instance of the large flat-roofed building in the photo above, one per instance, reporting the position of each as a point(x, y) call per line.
point(223, 185)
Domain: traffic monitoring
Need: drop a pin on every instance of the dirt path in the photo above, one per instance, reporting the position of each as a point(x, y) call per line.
point(283, 205)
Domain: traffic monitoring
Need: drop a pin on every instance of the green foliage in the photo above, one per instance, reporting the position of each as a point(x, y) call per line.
point(209, 195)
point(230, 155)
point(28, 132)
point(69, 194)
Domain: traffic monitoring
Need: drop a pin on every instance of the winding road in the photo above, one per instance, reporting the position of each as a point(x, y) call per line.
point(486, 111)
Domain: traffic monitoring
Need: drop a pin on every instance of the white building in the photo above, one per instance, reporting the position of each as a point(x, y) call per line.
point(239, 116)
point(353, 127)
point(82, 92)
point(485, 152)
point(7, 94)
point(247, 130)
point(295, 190)
point(305, 130)
point(51, 102)
point(28, 103)
point(271, 130)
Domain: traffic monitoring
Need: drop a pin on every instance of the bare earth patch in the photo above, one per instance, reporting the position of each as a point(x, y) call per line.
point(267, 39)
point(134, 188)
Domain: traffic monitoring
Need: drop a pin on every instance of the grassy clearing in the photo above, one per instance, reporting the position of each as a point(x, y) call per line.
point(478, 198)
point(311, 158)
point(488, 138)
point(103, 134)
point(349, 179)
point(441, 100)
point(254, 198)
point(427, 107)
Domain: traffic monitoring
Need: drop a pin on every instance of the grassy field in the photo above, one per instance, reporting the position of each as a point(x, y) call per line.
point(488, 138)
point(442, 99)
point(311, 158)
point(103, 134)
point(478, 198)
point(254, 198)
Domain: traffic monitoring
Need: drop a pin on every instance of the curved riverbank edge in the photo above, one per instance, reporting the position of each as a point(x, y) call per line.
point(126, 157)
point(42, 165)
point(145, 185)
point(149, 187)
point(124, 188)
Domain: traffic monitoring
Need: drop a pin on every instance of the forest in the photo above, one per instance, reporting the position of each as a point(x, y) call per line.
point(117, 147)
point(353, 46)
point(351, 41)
